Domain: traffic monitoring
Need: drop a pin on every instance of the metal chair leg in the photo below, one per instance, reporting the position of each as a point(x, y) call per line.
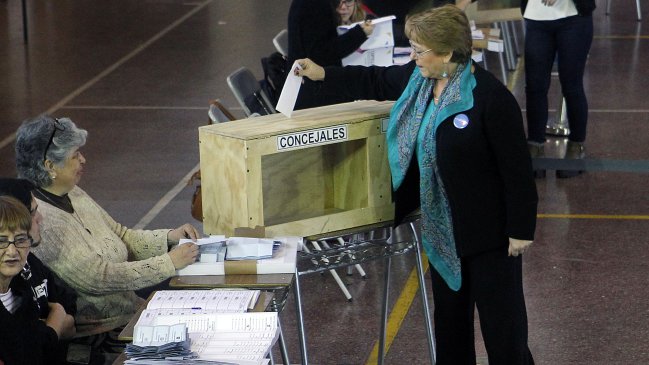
point(424, 297)
point(300, 318)
point(384, 309)
point(335, 275)
point(282, 345)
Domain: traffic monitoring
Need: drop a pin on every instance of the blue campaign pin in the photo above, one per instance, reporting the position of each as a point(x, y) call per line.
point(461, 121)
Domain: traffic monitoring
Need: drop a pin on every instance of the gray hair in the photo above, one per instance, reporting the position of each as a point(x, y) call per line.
point(31, 143)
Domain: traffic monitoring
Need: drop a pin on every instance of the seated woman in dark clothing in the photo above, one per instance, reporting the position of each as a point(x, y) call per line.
point(36, 307)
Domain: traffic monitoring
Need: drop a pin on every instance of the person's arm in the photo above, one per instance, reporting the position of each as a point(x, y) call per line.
point(360, 82)
point(60, 321)
point(506, 136)
point(313, 26)
point(98, 262)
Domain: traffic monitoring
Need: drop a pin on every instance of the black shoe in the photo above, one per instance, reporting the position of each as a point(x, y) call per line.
point(574, 150)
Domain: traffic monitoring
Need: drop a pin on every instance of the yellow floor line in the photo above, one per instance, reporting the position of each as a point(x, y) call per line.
point(621, 37)
point(594, 216)
point(399, 312)
point(520, 69)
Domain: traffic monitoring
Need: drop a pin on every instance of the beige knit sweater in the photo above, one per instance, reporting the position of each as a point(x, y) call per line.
point(103, 260)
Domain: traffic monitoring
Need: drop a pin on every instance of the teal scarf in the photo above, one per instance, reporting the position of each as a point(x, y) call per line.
point(413, 125)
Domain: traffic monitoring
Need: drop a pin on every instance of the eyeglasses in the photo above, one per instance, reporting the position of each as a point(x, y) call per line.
point(57, 127)
point(418, 53)
point(346, 2)
point(22, 241)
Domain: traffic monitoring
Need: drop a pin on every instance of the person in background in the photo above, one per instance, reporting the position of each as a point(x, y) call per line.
point(563, 28)
point(351, 12)
point(457, 151)
point(101, 259)
point(36, 309)
point(312, 33)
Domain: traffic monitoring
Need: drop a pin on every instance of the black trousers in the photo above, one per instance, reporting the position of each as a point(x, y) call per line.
point(492, 283)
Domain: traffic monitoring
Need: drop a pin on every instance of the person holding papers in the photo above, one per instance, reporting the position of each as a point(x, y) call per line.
point(312, 33)
point(100, 258)
point(457, 151)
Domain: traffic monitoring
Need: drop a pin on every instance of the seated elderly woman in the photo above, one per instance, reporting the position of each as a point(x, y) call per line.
point(100, 258)
point(35, 311)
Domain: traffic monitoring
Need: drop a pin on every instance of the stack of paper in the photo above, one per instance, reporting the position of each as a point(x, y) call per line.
point(282, 259)
point(221, 300)
point(203, 326)
point(377, 49)
point(245, 248)
point(169, 350)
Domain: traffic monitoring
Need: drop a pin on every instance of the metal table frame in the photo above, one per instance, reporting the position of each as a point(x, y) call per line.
point(355, 253)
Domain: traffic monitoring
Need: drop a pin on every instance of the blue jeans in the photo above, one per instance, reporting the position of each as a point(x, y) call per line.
point(569, 39)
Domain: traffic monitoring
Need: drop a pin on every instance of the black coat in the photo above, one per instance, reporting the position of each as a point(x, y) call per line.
point(312, 34)
point(25, 339)
point(486, 167)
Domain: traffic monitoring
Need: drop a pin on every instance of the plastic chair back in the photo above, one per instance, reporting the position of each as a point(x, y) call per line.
point(281, 42)
point(248, 92)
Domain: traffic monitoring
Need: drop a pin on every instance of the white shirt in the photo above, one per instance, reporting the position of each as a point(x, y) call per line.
point(10, 301)
point(535, 10)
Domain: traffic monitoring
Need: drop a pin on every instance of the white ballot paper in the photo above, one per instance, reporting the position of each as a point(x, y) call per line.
point(377, 49)
point(382, 35)
point(291, 89)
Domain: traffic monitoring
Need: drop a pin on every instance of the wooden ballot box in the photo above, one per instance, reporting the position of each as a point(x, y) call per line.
point(322, 170)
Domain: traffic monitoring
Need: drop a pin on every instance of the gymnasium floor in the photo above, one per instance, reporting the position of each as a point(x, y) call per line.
point(138, 76)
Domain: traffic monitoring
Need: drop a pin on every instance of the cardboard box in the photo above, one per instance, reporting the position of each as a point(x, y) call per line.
point(322, 170)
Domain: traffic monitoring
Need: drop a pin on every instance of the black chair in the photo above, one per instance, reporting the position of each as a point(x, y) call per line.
point(249, 94)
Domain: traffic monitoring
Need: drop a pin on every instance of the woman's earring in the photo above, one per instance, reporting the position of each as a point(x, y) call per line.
point(445, 72)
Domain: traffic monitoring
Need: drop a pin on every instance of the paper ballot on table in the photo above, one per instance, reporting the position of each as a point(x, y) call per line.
point(246, 248)
point(211, 249)
point(291, 89)
point(236, 338)
point(382, 35)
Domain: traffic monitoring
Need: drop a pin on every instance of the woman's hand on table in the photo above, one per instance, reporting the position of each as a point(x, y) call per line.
point(184, 231)
point(184, 255)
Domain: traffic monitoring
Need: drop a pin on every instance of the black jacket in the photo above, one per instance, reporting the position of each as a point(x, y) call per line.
point(25, 339)
point(486, 167)
point(312, 34)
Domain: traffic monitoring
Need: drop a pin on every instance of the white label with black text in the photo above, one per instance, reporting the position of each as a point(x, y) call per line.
point(312, 137)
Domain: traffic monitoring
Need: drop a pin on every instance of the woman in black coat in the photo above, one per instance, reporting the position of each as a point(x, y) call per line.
point(457, 150)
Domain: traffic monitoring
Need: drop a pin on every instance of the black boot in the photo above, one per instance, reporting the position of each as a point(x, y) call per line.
point(574, 150)
point(537, 150)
